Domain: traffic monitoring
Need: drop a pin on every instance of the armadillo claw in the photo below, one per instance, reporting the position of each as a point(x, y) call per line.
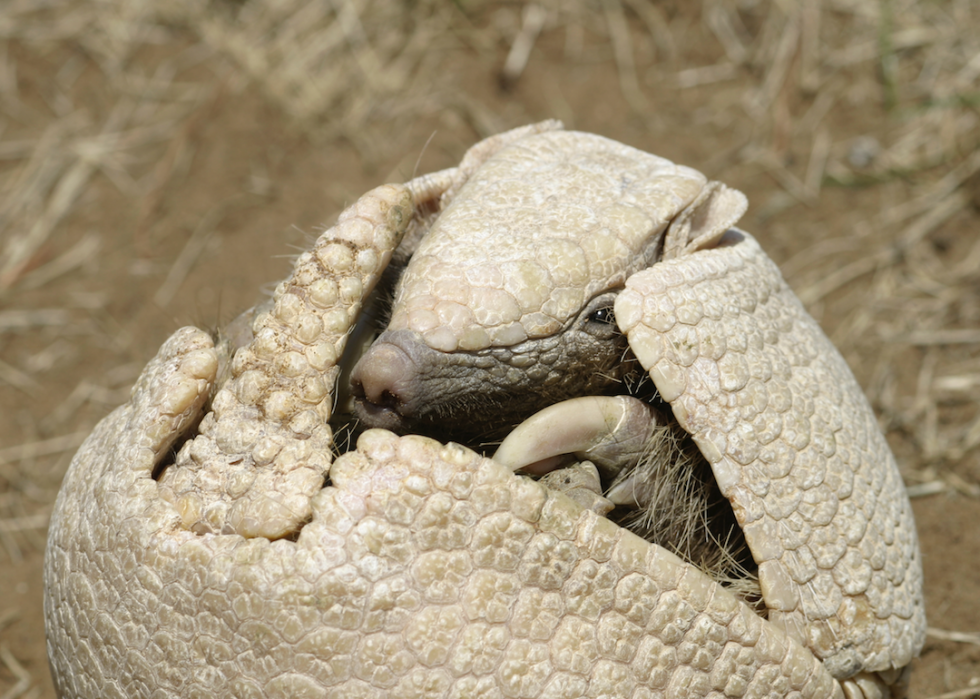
point(610, 431)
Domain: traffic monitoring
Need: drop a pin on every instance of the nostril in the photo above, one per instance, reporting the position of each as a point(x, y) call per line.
point(357, 389)
point(389, 400)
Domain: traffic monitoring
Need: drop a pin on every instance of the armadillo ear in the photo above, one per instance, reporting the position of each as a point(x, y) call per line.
point(701, 224)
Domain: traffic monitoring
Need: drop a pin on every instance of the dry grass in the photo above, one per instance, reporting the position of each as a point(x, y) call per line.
point(852, 125)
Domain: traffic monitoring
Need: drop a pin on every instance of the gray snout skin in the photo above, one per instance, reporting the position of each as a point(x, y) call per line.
point(476, 397)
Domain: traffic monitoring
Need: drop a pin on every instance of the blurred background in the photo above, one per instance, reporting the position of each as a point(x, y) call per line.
point(161, 162)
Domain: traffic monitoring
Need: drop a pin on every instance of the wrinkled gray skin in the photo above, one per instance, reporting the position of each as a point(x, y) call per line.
point(475, 397)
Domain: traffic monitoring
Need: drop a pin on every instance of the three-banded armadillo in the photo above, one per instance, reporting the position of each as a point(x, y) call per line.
point(232, 568)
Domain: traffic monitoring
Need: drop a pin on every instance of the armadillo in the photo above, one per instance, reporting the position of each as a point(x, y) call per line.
point(197, 549)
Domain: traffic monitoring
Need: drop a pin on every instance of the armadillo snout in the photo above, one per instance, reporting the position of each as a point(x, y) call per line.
point(382, 384)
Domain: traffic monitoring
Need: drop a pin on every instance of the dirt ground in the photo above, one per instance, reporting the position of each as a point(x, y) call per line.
point(160, 163)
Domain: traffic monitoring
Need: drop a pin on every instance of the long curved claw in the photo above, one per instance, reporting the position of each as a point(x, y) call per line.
point(609, 431)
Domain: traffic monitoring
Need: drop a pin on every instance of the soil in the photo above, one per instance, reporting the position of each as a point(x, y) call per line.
point(246, 185)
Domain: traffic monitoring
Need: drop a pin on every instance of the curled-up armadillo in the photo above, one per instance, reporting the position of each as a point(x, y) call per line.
point(205, 540)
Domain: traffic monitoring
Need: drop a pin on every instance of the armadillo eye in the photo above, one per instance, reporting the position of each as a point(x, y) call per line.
point(603, 315)
point(599, 319)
